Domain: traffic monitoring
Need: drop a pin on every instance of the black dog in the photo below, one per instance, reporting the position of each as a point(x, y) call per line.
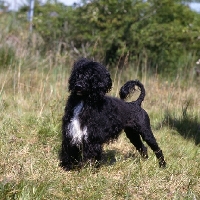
point(91, 118)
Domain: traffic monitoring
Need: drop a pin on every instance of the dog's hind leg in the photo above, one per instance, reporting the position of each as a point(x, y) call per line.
point(149, 138)
point(135, 139)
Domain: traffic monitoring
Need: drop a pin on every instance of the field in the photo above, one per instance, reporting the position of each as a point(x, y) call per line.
point(32, 100)
point(33, 92)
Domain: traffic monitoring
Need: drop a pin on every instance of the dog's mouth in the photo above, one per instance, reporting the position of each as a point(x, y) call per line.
point(79, 90)
point(79, 93)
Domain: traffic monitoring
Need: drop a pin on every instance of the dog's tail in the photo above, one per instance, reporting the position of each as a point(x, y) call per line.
point(129, 87)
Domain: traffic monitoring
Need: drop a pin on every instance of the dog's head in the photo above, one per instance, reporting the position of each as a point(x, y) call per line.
point(89, 79)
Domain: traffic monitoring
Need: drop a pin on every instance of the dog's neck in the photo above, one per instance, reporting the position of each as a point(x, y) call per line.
point(88, 101)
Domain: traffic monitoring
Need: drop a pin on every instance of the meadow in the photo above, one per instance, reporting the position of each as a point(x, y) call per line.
point(33, 92)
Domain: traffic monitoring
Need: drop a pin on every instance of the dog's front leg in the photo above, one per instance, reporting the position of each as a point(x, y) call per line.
point(91, 152)
point(69, 155)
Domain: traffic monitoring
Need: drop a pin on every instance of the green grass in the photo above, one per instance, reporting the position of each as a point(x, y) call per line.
point(33, 92)
point(32, 102)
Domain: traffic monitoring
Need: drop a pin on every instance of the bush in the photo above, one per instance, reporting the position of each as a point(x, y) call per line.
point(153, 34)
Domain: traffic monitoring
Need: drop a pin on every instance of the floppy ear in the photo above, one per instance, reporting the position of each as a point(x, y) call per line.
point(101, 79)
point(71, 81)
point(107, 82)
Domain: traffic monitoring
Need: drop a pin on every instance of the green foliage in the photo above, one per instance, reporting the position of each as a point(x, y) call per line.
point(153, 34)
point(50, 21)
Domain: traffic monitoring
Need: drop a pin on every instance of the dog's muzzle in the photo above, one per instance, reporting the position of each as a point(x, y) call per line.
point(78, 89)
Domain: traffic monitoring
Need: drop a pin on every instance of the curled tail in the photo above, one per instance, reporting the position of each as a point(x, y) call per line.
point(129, 87)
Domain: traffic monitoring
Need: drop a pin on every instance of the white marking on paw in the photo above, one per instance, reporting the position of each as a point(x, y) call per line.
point(74, 128)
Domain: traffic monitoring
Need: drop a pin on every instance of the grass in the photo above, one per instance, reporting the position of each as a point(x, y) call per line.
point(33, 91)
point(32, 102)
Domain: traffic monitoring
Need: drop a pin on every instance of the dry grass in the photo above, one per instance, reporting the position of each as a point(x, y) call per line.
point(33, 91)
point(32, 101)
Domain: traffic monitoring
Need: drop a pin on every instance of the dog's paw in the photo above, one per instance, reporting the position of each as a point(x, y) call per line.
point(162, 163)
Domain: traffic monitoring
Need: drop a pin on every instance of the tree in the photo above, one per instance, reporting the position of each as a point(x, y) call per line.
point(162, 31)
point(50, 21)
point(157, 32)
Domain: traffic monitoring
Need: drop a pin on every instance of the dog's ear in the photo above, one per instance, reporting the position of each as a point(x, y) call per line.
point(71, 81)
point(107, 83)
point(101, 78)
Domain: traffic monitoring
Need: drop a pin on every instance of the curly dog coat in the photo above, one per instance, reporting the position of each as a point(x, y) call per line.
point(91, 118)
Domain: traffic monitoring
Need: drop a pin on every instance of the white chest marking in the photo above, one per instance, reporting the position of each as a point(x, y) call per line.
point(75, 131)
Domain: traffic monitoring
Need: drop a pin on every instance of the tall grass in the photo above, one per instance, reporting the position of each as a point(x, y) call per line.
point(33, 91)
